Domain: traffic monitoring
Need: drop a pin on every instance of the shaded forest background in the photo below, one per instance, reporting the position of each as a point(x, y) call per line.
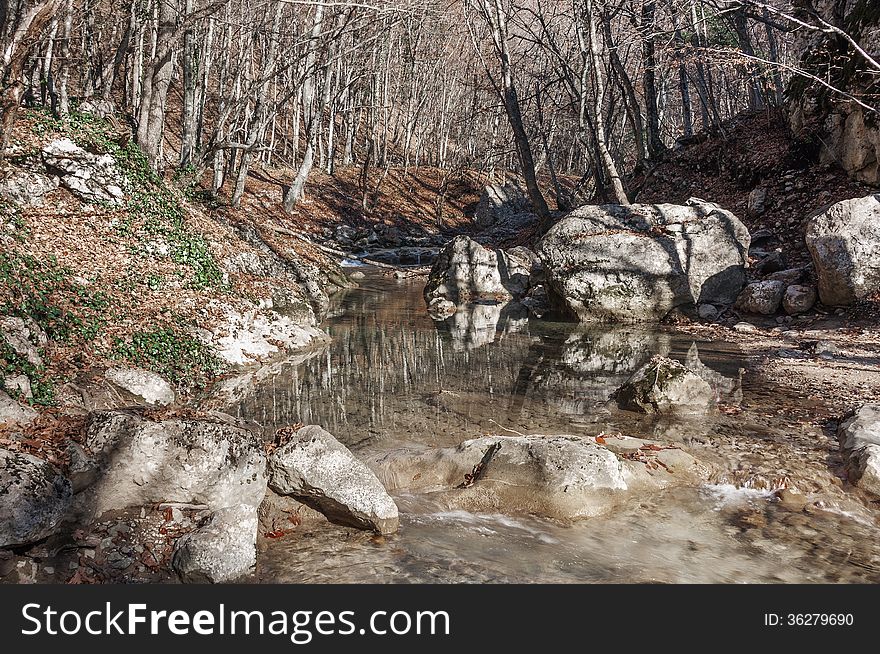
point(576, 96)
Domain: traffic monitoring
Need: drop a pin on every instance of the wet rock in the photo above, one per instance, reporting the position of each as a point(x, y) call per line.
point(24, 337)
point(145, 384)
point(761, 297)
point(798, 299)
point(561, 477)
point(791, 500)
point(34, 498)
point(844, 241)
point(357, 275)
point(637, 263)
point(13, 412)
point(91, 177)
point(320, 471)
point(465, 271)
point(440, 308)
point(665, 386)
point(27, 188)
point(221, 550)
point(859, 438)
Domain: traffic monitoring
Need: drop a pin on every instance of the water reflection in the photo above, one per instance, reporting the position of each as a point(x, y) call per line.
point(394, 376)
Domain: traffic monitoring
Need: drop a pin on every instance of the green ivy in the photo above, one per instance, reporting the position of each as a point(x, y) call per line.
point(174, 354)
point(45, 292)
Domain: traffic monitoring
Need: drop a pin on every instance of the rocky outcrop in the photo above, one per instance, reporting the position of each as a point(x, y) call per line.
point(859, 438)
point(90, 177)
point(636, 263)
point(34, 497)
point(466, 271)
point(665, 386)
point(561, 477)
point(24, 337)
point(241, 337)
point(844, 241)
point(761, 297)
point(27, 187)
point(847, 133)
point(318, 470)
point(147, 385)
point(136, 462)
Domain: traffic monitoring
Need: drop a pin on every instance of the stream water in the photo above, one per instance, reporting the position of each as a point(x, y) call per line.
point(392, 377)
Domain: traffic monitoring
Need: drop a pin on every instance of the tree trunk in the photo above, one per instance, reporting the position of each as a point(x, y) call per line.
point(21, 23)
point(494, 14)
point(157, 79)
point(190, 117)
point(598, 99)
point(297, 188)
point(655, 143)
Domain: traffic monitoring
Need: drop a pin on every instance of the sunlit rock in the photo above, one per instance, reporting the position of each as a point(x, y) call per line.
point(636, 263)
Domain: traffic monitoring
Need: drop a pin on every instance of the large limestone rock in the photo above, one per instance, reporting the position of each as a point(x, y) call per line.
point(561, 477)
point(665, 386)
point(318, 470)
point(241, 337)
point(844, 241)
point(91, 177)
point(466, 271)
point(635, 264)
point(138, 461)
point(33, 498)
point(149, 386)
point(142, 461)
point(859, 438)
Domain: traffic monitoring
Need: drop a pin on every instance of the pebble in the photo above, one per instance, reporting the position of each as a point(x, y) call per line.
point(49, 570)
point(745, 327)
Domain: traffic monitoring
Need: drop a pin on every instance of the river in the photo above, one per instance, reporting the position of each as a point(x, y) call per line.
point(394, 378)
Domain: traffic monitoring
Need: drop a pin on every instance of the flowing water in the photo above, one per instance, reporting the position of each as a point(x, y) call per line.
point(394, 378)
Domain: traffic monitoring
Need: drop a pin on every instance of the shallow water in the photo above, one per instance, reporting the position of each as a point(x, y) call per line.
point(392, 377)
